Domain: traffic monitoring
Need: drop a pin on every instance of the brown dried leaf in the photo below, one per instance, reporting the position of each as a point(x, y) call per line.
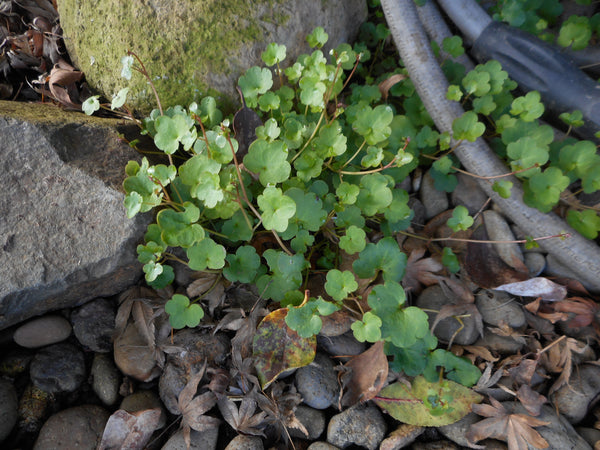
point(420, 271)
point(386, 85)
point(515, 429)
point(531, 400)
point(481, 352)
point(524, 371)
point(62, 86)
point(129, 430)
point(365, 375)
point(242, 419)
point(485, 267)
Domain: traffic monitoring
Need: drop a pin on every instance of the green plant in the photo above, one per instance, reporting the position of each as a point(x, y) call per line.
point(318, 182)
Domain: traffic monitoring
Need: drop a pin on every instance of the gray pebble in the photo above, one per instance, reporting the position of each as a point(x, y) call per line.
point(556, 269)
point(143, 400)
point(312, 419)
point(106, 379)
point(342, 345)
point(435, 445)
point(80, 427)
point(9, 406)
point(434, 298)
point(205, 440)
point(43, 331)
point(498, 230)
point(317, 383)
point(360, 425)
point(591, 435)
point(505, 345)
point(58, 368)
point(573, 399)
point(535, 262)
point(434, 201)
point(322, 446)
point(497, 307)
point(456, 431)
point(401, 437)
point(241, 442)
point(468, 194)
point(94, 324)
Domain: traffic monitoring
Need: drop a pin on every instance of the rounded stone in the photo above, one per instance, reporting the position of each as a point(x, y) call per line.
point(143, 400)
point(9, 406)
point(434, 298)
point(42, 331)
point(317, 383)
point(468, 194)
point(498, 307)
point(434, 201)
point(312, 419)
point(574, 398)
point(193, 48)
point(359, 425)
point(205, 440)
point(58, 368)
point(94, 324)
point(105, 379)
point(498, 230)
point(241, 442)
point(344, 344)
point(80, 427)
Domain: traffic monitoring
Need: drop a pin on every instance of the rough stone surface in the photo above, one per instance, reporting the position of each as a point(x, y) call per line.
point(401, 437)
point(58, 368)
point(80, 427)
point(358, 425)
point(574, 399)
point(317, 383)
point(94, 324)
point(64, 236)
point(8, 408)
point(42, 331)
point(193, 48)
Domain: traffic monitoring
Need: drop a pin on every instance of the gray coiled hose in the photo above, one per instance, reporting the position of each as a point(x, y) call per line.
point(580, 255)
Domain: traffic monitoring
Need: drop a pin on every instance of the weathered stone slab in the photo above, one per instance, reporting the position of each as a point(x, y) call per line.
point(194, 48)
point(64, 235)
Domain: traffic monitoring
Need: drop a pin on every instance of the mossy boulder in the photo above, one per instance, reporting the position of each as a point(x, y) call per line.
point(193, 48)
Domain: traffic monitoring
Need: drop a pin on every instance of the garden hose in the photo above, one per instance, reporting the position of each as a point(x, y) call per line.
point(580, 255)
point(531, 62)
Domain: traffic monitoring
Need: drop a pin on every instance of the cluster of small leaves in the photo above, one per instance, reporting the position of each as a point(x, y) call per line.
point(547, 166)
point(312, 179)
point(541, 17)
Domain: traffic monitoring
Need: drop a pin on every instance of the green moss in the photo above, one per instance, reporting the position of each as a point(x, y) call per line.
point(208, 46)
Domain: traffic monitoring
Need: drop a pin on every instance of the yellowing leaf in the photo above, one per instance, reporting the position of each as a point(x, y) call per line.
point(278, 348)
point(427, 404)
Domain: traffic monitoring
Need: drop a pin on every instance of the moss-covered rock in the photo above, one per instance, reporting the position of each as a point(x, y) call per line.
point(193, 47)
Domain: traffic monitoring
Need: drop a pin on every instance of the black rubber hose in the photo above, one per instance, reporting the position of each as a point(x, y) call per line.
point(577, 253)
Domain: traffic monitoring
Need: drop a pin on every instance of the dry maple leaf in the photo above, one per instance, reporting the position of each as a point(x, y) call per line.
point(560, 360)
point(193, 407)
point(420, 271)
point(242, 419)
point(515, 429)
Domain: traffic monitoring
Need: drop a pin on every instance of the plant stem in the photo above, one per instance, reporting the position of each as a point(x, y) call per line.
point(478, 241)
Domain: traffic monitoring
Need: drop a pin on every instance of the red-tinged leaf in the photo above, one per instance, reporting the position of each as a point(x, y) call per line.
point(536, 287)
point(420, 270)
point(365, 376)
point(531, 400)
point(427, 404)
point(129, 430)
point(278, 348)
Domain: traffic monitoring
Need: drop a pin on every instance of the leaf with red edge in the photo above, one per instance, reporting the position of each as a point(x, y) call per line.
point(427, 404)
point(278, 348)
